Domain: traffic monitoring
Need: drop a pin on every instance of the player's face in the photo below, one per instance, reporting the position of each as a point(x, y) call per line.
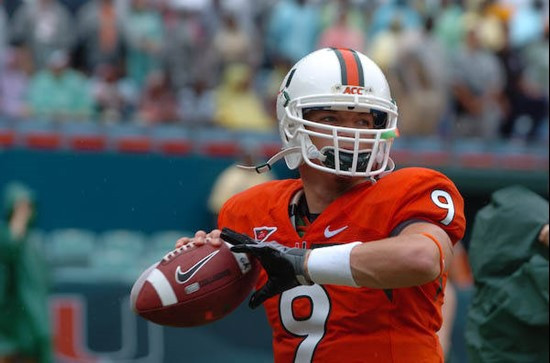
point(349, 119)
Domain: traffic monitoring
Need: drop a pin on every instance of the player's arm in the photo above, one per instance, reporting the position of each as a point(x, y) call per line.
point(414, 257)
point(431, 211)
point(409, 259)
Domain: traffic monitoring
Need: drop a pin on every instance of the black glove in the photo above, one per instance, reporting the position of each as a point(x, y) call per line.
point(284, 265)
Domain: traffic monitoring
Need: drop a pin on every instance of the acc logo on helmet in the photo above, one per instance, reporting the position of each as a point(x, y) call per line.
point(352, 90)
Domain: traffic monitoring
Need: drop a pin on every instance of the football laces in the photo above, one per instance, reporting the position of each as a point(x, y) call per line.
point(170, 255)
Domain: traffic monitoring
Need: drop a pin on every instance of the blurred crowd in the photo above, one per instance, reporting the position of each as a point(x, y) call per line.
point(457, 68)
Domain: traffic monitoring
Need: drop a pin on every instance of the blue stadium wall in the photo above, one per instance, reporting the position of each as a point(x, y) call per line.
point(101, 191)
point(154, 191)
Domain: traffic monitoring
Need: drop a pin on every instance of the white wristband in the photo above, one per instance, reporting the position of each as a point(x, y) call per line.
point(331, 265)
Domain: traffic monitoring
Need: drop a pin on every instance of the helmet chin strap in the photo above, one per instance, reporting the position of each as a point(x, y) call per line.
point(265, 167)
point(389, 169)
point(312, 153)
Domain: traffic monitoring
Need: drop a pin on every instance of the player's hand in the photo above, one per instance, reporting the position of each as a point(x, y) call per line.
point(543, 235)
point(284, 265)
point(20, 218)
point(201, 238)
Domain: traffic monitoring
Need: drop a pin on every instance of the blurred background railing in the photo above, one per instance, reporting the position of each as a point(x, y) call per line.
point(469, 69)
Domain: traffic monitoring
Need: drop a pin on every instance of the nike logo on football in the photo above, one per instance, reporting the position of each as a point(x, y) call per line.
point(183, 277)
point(329, 233)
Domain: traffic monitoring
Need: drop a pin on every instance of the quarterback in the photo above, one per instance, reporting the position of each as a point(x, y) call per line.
point(354, 254)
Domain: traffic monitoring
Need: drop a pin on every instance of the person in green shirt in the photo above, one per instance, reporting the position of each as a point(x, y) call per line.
point(24, 327)
point(508, 318)
point(59, 92)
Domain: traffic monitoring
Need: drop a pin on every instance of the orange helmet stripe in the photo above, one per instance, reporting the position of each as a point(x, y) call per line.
point(351, 67)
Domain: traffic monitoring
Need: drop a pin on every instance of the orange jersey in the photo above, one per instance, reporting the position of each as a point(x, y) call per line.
point(332, 323)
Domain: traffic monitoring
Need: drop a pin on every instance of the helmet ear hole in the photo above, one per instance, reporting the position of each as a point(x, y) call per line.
point(293, 161)
point(380, 119)
point(293, 129)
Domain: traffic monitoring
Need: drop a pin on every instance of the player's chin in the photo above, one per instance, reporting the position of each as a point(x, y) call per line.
point(340, 178)
point(347, 181)
point(348, 178)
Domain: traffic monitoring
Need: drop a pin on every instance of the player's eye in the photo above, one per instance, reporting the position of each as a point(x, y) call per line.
point(365, 123)
point(328, 119)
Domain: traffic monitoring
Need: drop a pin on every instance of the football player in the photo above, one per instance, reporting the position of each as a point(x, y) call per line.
point(355, 255)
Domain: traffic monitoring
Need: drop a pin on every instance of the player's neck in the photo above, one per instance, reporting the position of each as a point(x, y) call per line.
point(321, 188)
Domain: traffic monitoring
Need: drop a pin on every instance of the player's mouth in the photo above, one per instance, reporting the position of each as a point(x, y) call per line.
point(345, 159)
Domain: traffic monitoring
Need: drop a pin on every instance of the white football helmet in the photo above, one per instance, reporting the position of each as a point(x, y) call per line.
point(337, 79)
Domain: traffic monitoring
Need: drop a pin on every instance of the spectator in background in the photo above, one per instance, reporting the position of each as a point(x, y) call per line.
point(419, 79)
point(293, 29)
point(508, 317)
point(115, 97)
point(341, 34)
point(209, 13)
point(490, 18)
point(158, 103)
point(233, 180)
point(246, 13)
point(536, 58)
point(477, 85)
point(238, 106)
point(386, 44)
point(385, 15)
point(3, 30)
point(24, 321)
point(186, 46)
point(449, 26)
point(145, 37)
point(44, 26)
point(523, 98)
point(15, 71)
point(332, 11)
point(232, 44)
point(100, 29)
point(196, 103)
point(59, 92)
point(527, 22)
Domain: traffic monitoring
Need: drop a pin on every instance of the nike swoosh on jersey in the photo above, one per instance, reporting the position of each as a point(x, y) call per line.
point(329, 233)
point(183, 277)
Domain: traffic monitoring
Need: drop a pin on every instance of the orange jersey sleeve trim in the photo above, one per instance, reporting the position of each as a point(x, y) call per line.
point(441, 256)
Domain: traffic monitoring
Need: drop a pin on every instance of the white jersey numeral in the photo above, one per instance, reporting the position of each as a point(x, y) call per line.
point(312, 328)
point(437, 196)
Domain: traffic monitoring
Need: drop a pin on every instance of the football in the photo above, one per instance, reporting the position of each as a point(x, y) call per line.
point(194, 285)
